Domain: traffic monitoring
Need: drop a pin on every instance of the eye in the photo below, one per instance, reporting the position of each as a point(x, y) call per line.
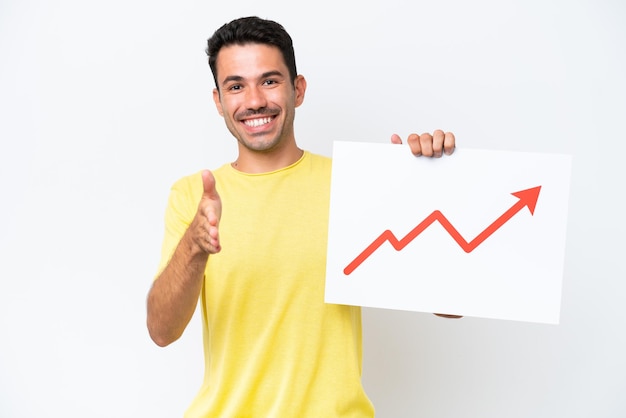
point(234, 87)
point(269, 82)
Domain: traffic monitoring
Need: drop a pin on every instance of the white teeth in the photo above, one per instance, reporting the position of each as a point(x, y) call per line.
point(257, 122)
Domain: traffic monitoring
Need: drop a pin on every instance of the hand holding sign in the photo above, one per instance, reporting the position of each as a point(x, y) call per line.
point(429, 145)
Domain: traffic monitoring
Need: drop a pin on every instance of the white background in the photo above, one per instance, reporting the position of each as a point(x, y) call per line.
point(104, 104)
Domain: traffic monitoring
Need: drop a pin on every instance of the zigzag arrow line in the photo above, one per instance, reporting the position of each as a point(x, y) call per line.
point(526, 197)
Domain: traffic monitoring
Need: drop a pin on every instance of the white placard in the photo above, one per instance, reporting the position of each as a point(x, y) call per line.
point(479, 233)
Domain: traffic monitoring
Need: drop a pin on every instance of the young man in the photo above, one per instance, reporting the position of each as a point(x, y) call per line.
point(272, 347)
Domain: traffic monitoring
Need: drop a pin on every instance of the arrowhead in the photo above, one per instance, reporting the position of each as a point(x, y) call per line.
point(528, 197)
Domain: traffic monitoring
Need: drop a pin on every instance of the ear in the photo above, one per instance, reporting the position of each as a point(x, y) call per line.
point(218, 103)
point(300, 87)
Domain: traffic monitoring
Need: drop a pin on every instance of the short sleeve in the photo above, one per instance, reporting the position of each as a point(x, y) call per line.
point(181, 208)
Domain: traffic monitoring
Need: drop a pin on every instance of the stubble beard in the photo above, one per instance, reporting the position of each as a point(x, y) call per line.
point(263, 146)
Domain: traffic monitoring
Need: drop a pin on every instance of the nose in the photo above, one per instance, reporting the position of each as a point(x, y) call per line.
point(255, 98)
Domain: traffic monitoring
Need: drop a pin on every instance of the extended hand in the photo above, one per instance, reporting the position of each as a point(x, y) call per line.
point(429, 145)
point(204, 227)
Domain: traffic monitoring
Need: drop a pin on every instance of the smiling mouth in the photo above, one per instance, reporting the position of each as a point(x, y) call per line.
point(253, 123)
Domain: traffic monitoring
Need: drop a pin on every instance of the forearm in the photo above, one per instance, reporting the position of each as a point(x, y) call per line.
point(174, 294)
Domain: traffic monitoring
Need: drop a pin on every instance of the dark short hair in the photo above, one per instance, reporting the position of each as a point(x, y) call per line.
point(252, 30)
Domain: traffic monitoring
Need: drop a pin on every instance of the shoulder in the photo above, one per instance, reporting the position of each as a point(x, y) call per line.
point(185, 193)
point(316, 172)
point(321, 159)
point(188, 183)
point(192, 183)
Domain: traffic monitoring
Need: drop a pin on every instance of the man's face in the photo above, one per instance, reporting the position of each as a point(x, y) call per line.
point(256, 96)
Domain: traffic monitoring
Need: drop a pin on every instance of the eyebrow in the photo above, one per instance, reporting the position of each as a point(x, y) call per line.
point(266, 74)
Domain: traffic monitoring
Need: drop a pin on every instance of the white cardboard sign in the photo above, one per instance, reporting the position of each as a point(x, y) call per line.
point(479, 233)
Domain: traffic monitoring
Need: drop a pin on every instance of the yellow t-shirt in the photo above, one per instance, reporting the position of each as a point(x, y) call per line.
point(272, 347)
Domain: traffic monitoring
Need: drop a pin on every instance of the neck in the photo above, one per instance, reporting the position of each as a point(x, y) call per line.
point(255, 162)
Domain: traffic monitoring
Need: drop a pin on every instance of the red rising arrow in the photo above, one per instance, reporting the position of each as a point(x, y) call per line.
point(526, 197)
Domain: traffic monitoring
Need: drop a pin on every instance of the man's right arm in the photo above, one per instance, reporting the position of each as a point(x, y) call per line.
point(174, 294)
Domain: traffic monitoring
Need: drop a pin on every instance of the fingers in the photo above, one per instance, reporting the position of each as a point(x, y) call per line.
point(421, 144)
point(438, 137)
point(203, 233)
point(205, 230)
point(449, 143)
point(449, 316)
point(434, 145)
point(212, 240)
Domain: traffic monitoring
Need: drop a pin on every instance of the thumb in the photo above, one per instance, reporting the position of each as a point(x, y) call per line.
point(395, 139)
point(208, 184)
